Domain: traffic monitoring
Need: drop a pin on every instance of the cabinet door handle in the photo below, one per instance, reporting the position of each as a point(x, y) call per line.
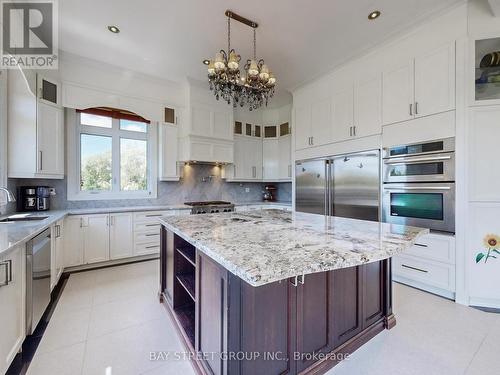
point(421, 245)
point(301, 279)
point(411, 109)
point(312, 141)
point(354, 130)
point(350, 131)
point(416, 108)
point(81, 222)
point(41, 160)
point(414, 268)
point(294, 282)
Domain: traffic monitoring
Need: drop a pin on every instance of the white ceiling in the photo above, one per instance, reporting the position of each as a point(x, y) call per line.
point(298, 39)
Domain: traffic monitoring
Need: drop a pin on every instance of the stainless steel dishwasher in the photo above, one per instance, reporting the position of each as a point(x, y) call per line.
point(37, 279)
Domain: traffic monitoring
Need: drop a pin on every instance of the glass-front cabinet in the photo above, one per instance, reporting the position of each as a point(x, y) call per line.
point(487, 71)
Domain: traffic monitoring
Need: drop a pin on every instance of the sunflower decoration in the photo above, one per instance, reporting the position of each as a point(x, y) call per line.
point(492, 243)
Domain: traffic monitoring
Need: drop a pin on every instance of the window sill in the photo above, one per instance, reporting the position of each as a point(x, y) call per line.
point(110, 196)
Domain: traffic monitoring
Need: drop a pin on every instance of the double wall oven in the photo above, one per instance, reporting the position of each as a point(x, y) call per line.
point(419, 185)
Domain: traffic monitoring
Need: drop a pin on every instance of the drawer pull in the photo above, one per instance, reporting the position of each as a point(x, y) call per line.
point(152, 247)
point(154, 215)
point(414, 268)
point(421, 245)
point(152, 234)
point(152, 225)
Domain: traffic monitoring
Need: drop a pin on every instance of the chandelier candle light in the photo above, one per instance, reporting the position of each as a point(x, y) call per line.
point(253, 87)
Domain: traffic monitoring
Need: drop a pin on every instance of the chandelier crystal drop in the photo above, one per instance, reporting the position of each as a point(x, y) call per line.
point(252, 87)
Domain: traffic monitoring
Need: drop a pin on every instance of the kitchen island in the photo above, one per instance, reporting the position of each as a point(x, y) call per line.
point(275, 292)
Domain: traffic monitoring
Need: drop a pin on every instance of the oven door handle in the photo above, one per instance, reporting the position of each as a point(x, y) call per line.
point(415, 160)
point(418, 188)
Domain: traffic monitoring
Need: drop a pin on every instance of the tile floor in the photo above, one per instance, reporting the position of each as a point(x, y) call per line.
point(107, 322)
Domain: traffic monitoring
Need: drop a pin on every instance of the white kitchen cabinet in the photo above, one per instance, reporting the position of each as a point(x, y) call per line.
point(50, 140)
point(302, 127)
point(121, 235)
point(435, 81)
point(285, 158)
point(248, 160)
point(209, 122)
point(482, 137)
point(74, 241)
point(425, 85)
point(57, 253)
point(168, 152)
point(368, 106)
point(205, 149)
point(147, 231)
point(96, 228)
point(343, 113)
point(428, 265)
point(12, 306)
point(398, 93)
point(271, 159)
point(35, 130)
point(322, 130)
point(254, 157)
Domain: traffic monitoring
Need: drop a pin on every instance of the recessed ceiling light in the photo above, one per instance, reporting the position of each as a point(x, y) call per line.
point(206, 62)
point(113, 29)
point(374, 15)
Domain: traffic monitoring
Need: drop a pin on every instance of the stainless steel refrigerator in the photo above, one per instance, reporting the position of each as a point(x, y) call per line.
point(346, 185)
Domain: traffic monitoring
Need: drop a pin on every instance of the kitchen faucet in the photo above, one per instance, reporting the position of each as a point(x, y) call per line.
point(10, 196)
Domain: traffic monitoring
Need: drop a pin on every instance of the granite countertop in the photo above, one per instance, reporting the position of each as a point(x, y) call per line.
point(16, 233)
point(265, 246)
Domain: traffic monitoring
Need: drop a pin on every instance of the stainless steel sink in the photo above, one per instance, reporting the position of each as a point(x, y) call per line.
point(22, 217)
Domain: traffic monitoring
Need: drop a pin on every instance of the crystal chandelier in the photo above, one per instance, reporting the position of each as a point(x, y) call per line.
point(253, 87)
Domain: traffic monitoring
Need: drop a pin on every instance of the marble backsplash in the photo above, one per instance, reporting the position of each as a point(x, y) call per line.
point(199, 182)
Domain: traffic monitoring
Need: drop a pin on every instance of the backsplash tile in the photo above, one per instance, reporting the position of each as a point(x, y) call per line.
point(196, 185)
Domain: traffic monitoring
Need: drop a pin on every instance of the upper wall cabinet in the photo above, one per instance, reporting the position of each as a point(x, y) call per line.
point(368, 106)
point(207, 133)
point(353, 109)
point(168, 152)
point(35, 128)
point(423, 86)
point(342, 114)
point(397, 93)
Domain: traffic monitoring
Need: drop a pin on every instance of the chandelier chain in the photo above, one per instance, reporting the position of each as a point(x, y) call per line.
point(254, 44)
point(228, 35)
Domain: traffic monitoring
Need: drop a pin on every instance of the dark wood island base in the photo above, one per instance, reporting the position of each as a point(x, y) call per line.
point(303, 325)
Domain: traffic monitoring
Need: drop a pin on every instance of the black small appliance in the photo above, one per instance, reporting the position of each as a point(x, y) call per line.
point(33, 198)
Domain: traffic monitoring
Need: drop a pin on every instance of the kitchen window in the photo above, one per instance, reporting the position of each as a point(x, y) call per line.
point(113, 155)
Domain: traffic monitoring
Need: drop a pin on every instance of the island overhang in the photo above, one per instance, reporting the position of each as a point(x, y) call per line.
point(266, 246)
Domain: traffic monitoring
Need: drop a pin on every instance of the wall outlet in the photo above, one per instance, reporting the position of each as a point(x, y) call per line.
point(247, 190)
point(52, 191)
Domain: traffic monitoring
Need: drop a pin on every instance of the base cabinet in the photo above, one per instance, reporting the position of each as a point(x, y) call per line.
point(287, 327)
point(12, 292)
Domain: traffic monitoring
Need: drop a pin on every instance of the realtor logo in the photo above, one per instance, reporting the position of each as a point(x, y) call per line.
point(29, 34)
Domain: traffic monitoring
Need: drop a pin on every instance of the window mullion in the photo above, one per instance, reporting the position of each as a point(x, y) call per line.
point(115, 173)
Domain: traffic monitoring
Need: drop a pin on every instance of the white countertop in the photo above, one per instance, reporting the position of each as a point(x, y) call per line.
point(16, 233)
point(265, 246)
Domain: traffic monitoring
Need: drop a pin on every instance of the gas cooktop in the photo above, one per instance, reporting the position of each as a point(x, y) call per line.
point(210, 207)
point(207, 203)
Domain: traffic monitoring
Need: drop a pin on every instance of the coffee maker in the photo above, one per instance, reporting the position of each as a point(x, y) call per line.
point(269, 193)
point(33, 198)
